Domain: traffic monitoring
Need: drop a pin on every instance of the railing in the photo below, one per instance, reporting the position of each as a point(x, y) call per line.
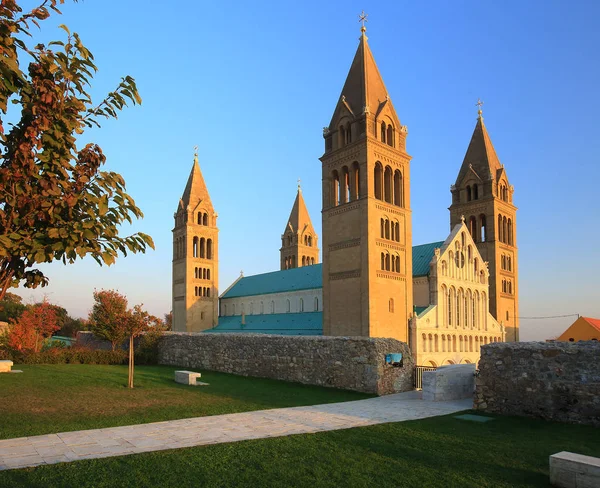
point(418, 376)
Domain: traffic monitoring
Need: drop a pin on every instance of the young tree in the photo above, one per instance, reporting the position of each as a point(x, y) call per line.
point(36, 323)
point(138, 322)
point(109, 316)
point(55, 203)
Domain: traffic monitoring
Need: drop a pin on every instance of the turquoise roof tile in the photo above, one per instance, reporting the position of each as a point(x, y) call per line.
point(306, 323)
point(422, 257)
point(303, 278)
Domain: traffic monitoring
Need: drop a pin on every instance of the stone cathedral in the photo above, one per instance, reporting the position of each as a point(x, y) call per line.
point(445, 299)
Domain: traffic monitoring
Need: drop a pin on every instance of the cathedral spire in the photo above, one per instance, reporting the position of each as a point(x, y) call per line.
point(481, 156)
point(364, 91)
point(195, 189)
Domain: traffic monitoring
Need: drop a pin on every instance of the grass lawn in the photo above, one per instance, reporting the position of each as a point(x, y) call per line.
point(58, 398)
point(437, 452)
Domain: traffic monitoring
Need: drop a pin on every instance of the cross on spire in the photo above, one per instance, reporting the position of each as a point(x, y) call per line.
point(363, 18)
point(299, 189)
point(479, 104)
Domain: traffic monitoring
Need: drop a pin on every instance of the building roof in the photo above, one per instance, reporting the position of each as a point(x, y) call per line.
point(195, 189)
point(306, 323)
point(303, 278)
point(481, 156)
point(421, 256)
point(593, 322)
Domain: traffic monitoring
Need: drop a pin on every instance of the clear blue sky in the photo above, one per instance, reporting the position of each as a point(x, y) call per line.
point(253, 83)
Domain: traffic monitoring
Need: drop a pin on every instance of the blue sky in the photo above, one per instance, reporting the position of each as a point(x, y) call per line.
point(252, 84)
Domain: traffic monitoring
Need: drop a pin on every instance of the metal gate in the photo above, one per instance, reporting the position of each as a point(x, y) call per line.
point(418, 376)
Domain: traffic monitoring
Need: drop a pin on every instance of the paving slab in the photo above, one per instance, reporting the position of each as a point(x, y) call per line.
point(120, 441)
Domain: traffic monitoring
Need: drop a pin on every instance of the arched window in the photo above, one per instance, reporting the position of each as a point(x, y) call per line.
point(208, 274)
point(454, 343)
point(451, 303)
point(301, 305)
point(500, 234)
point(387, 262)
point(355, 181)
point(316, 304)
point(202, 247)
point(430, 343)
point(387, 229)
point(397, 264)
point(424, 343)
point(205, 219)
point(397, 225)
point(195, 250)
point(209, 249)
point(196, 291)
point(382, 228)
point(473, 227)
point(199, 218)
point(390, 135)
point(505, 230)
point(342, 136)
point(335, 188)
point(510, 232)
point(287, 306)
point(459, 300)
point(348, 133)
point(293, 261)
point(208, 292)
point(437, 347)
point(303, 261)
point(483, 228)
point(309, 241)
point(391, 305)
point(398, 194)
point(387, 184)
point(468, 193)
point(345, 190)
point(378, 181)
point(383, 132)
point(382, 260)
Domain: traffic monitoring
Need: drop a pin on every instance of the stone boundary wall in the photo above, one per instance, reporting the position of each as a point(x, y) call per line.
point(554, 381)
point(351, 363)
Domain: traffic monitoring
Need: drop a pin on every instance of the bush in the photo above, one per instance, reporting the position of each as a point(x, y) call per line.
point(59, 355)
point(146, 351)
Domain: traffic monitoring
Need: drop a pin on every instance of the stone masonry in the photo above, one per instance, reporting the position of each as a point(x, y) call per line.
point(351, 363)
point(555, 381)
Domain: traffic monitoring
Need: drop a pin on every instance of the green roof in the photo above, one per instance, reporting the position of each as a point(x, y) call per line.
point(303, 278)
point(422, 257)
point(306, 323)
point(419, 310)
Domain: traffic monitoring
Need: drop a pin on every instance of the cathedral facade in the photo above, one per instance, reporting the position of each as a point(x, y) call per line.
point(444, 298)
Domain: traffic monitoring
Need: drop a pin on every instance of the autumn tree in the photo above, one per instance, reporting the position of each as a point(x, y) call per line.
point(108, 316)
point(37, 322)
point(55, 202)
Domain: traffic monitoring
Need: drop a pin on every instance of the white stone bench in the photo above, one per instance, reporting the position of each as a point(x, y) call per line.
point(570, 470)
point(187, 377)
point(5, 366)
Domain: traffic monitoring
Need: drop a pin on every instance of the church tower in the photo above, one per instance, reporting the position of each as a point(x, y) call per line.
point(195, 258)
point(484, 196)
point(299, 239)
point(367, 229)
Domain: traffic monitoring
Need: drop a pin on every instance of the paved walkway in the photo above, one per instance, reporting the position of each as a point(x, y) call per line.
point(117, 441)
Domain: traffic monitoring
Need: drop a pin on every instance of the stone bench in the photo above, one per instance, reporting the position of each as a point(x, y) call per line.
point(187, 377)
point(570, 470)
point(5, 366)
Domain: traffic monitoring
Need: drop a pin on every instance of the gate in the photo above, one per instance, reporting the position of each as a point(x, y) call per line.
point(418, 375)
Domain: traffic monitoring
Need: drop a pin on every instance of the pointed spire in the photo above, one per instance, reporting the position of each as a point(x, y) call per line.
point(299, 218)
point(481, 156)
point(195, 189)
point(364, 91)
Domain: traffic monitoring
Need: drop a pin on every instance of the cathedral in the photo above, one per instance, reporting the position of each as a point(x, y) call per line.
point(445, 299)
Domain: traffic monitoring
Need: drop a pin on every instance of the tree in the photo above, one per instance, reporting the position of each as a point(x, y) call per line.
point(108, 317)
point(138, 321)
point(56, 204)
point(168, 322)
point(38, 322)
point(11, 307)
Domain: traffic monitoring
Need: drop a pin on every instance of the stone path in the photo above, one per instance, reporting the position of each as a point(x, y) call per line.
point(117, 441)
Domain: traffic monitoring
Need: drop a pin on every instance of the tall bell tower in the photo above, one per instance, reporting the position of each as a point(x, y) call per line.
point(195, 257)
point(483, 194)
point(367, 227)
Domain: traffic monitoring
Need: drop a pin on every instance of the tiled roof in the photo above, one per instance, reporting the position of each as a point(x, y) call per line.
point(303, 278)
point(307, 323)
point(593, 322)
point(422, 257)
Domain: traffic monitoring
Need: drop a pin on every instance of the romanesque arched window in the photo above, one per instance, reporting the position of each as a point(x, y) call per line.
point(345, 190)
point(390, 135)
point(510, 232)
point(342, 136)
point(383, 132)
point(473, 227)
point(475, 193)
point(468, 193)
point(387, 184)
point(348, 133)
point(303, 260)
point(397, 225)
point(195, 248)
point(397, 264)
point(335, 188)
point(382, 228)
point(378, 181)
point(382, 260)
point(202, 247)
point(483, 228)
point(398, 193)
point(205, 219)
point(209, 249)
point(505, 230)
point(199, 218)
point(355, 181)
point(387, 262)
point(387, 228)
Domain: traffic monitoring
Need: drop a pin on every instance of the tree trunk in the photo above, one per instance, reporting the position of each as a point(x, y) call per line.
point(130, 383)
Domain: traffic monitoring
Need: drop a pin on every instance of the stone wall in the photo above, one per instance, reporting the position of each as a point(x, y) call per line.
point(351, 363)
point(452, 382)
point(554, 381)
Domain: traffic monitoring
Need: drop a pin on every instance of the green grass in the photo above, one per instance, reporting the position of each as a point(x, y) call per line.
point(58, 398)
point(437, 452)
